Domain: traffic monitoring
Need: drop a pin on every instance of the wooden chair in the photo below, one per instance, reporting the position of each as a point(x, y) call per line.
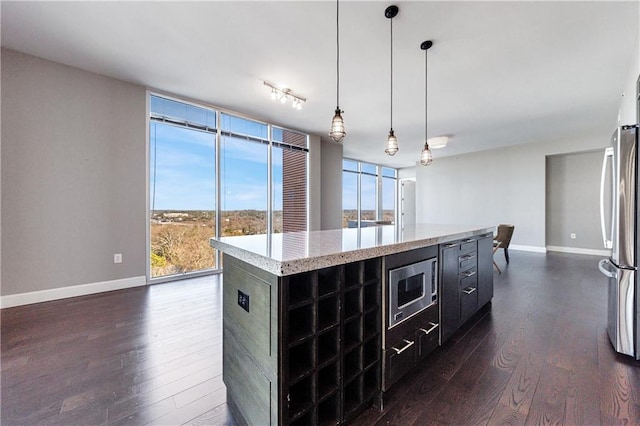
point(502, 240)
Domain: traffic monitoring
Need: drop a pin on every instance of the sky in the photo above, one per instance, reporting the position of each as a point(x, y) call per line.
point(182, 165)
point(368, 192)
point(182, 171)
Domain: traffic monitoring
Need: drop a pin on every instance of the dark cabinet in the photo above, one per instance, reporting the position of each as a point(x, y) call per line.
point(468, 300)
point(427, 339)
point(318, 347)
point(331, 359)
point(399, 359)
point(305, 348)
point(485, 269)
point(449, 298)
point(412, 339)
point(466, 281)
point(403, 352)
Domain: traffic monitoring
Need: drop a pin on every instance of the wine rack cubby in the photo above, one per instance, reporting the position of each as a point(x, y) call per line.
point(331, 358)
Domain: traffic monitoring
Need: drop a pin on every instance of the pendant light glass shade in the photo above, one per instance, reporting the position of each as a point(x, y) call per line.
point(337, 132)
point(426, 157)
point(392, 144)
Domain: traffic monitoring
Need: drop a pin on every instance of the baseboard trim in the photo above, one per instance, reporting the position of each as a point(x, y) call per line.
point(534, 249)
point(20, 299)
point(576, 250)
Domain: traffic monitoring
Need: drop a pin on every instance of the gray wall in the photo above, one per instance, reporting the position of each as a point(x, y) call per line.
point(74, 181)
point(73, 176)
point(315, 173)
point(573, 197)
point(331, 198)
point(504, 185)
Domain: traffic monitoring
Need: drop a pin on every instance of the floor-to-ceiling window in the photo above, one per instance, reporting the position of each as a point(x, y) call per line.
point(182, 187)
point(368, 193)
point(350, 191)
point(209, 167)
point(244, 173)
point(389, 179)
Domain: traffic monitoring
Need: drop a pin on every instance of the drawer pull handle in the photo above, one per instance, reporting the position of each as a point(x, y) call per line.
point(469, 274)
point(469, 290)
point(433, 327)
point(469, 240)
point(450, 245)
point(466, 257)
point(407, 346)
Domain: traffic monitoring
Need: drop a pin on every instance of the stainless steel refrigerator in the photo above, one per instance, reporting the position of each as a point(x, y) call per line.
point(620, 219)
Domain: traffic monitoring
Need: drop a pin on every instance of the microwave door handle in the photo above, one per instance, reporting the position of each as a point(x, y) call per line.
point(608, 154)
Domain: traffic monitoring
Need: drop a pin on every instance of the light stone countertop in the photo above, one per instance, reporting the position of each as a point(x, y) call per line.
point(295, 252)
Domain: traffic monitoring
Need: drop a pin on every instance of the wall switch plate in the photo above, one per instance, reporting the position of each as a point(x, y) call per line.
point(243, 300)
point(573, 236)
point(117, 258)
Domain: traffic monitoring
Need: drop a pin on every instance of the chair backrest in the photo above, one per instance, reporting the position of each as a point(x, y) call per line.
point(504, 235)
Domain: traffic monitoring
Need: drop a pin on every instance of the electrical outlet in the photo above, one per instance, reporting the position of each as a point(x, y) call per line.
point(243, 300)
point(573, 236)
point(117, 258)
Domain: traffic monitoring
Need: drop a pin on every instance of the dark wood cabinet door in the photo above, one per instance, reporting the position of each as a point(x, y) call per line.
point(485, 269)
point(468, 301)
point(449, 296)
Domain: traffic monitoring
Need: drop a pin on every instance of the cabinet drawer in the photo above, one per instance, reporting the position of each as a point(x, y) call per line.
point(468, 279)
point(467, 246)
point(467, 261)
point(398, 360)
point(468, 302)
point(427, 339)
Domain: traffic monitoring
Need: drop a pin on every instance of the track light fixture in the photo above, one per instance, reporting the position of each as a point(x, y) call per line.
point(284, 95)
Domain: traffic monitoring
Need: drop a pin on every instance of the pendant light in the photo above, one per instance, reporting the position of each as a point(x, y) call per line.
point(391, 146)
point(426, 157)
point(337, 132)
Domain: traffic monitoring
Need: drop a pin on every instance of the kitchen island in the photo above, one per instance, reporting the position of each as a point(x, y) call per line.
point(311, 332)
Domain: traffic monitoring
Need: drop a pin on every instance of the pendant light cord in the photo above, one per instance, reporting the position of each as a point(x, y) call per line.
point(425, 95)
point(391, 61)
point(337, 54)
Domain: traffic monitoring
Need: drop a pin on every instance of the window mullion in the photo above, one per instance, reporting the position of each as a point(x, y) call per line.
point(270, 181)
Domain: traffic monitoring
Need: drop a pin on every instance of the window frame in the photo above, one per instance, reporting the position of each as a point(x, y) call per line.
point(219, 133)
point(379, 200)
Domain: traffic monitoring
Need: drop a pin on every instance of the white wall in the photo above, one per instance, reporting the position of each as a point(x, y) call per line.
point(628, 103)
point(505, 185)
point(73, 176)
point(407, 173)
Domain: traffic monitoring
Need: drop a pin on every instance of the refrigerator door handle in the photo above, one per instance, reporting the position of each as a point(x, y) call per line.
point(605, 270)
point(608, 154)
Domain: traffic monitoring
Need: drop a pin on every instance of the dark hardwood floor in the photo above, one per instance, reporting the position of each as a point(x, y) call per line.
point(538, 355)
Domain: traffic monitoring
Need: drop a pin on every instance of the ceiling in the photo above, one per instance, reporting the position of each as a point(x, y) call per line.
point(500, 73)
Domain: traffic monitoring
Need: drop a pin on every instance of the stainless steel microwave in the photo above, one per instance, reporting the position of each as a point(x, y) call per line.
point(411, 289)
